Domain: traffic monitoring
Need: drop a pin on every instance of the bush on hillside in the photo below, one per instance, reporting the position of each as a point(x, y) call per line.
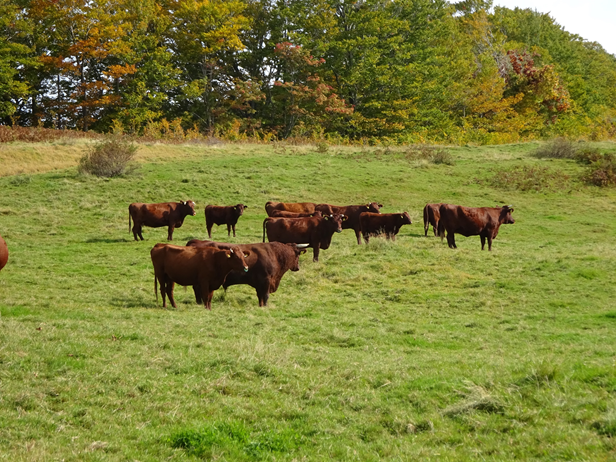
point(109, 158)
point(601, 170)
point(559, 148)
point(433, 154)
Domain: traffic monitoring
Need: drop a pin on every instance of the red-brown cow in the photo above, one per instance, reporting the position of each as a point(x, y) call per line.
point(205, 268)
point(219, 215)
point(431, 216)
point(373, 224)
point(297, 207)
point(285, 214)
point(473, 221)
point(316, 231)
point(4, 253)
point(170, 214)
point(352, 213)
point(267, 264)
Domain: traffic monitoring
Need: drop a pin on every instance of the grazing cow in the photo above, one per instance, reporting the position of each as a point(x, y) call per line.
point(373, 224)
point(315, 231)
point(285, 214)
point(431, 216)
point(352, 213)
point(170, 214)
point(267, 263)
point(205, 268)
point(473, 221)
point(217, 215)
point(297, 207)
point(4, 253)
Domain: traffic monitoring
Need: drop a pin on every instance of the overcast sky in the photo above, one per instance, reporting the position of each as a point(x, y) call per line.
point(594, 20)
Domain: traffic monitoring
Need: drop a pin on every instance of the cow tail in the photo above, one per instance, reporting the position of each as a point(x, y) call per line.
point(129, 221)
point(426, 219)
point(156, 288)
point(441, 229)
point(264, 229)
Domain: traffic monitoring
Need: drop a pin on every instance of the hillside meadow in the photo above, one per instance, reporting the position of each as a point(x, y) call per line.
point(402, 350)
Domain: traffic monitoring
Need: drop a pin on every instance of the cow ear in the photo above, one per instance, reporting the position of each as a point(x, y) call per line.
point(183, 202)
point(245, 206)
point(380, 205)
point(344, 217)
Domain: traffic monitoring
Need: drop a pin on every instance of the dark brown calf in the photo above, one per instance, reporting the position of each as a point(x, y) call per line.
point(316, 231)
point(373, 224)
point(4, 253)
point(170, 214)
point(352, 213)
point(267, 264)
point(219, 215)
point(473, 221)
point(205, 268)
point(431, 216)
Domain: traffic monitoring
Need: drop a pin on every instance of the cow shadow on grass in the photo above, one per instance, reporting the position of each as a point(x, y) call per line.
point(106, 240)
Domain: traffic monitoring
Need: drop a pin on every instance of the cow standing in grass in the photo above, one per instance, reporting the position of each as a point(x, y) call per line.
point(317, 232)
point(170, 214)
point(431, 216)
point(352, 213)
point(473, 221)
point(4, 253)
point(267, 264)
point(205, 268)
point(219, 215)
point(373, 224)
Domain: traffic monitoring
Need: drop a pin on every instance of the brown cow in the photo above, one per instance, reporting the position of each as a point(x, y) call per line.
point(205, 268)
point(285, 214)
point(373, 224)
point(267, 263)
point(170, 214)
point(473, 221)
point(4, 253)
point(352, 213)
point(218, 215)
point(431, 216)
point(297, 207)
point(315, 231)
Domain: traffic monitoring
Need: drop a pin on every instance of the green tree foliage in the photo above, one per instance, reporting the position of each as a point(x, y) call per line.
point(379, 70)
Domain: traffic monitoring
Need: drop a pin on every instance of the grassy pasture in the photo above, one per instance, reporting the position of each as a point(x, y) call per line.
point(402, 350)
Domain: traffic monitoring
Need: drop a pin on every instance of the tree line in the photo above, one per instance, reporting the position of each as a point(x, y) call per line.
point(403, 71)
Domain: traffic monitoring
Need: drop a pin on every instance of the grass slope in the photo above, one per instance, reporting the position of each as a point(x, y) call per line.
point(391, 351)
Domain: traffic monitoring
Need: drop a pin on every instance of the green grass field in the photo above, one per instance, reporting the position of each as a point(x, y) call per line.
point(402, 350)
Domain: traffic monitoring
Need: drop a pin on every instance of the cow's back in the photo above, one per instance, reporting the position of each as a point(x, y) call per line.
point(296, 207)
point(4, 253)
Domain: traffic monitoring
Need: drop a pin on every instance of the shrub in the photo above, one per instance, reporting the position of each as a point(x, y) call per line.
point(559, 148)
point(602, 171)
point(527, 178)
point(108, 159)
point(433, 154)
point(322, 147)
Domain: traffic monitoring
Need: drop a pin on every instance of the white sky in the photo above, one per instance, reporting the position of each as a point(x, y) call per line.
point(593, 20)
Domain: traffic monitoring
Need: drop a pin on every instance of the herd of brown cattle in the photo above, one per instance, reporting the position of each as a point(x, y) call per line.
point(290, 228)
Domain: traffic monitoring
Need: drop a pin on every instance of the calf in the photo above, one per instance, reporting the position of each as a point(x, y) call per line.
point(4, 253)
point(373, 224)
point(352, 213)
point(170, 214)
point(317, 232)
point(205, 268)
point(267, 264)
point(473, 221)
point(431, 216)
point(217, 215)
point(297, 207)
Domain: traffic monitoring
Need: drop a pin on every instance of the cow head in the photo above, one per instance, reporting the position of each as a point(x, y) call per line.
point(239, 209)
point(505, 215)
point(324, 209)
point(374, 207)
point(335, 221)
point(188, 207)
point(298, 249)
point(405, 219)
point(236, 256)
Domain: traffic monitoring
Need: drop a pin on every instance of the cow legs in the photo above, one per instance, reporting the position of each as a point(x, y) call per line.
point(233, 226)
point(483, 241)
point(137, 231)
point(489, 243)
point(170, 232)
point(209, 230)
point(197, 291)
point(435, 230)
point(315, 252)
point(451, 240)
point(206, 295)
point(169, 284)
point(263, 298)
point(358, 236)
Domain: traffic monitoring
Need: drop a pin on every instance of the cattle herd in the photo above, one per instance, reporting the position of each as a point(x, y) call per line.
point(289, 228)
